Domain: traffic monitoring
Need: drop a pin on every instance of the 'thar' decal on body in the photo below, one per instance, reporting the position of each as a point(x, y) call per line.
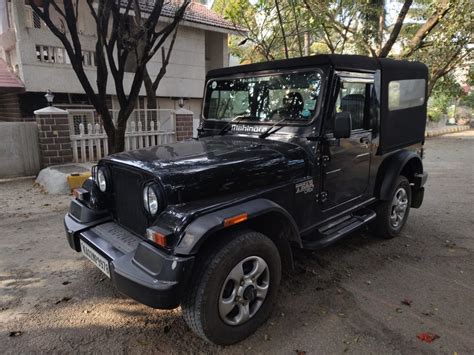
point(305, 187)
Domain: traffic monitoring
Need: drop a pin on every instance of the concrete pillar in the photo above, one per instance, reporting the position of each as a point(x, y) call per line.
point(184, 124)
point(54, 136)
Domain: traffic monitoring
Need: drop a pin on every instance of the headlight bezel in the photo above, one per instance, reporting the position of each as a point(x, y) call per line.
point(103, 171)
point(101, 180)
point(152, 189)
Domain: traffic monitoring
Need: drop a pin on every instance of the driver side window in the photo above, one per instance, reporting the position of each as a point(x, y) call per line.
point(352, 98)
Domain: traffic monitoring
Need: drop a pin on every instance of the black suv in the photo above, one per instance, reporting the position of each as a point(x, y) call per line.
point(290, 154)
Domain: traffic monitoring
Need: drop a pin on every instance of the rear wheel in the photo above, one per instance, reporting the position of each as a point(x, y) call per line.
point(233, 288)
point(392, 214)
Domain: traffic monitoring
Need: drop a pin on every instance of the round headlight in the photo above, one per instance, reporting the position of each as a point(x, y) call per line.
point(150, 200)
point(101, 181)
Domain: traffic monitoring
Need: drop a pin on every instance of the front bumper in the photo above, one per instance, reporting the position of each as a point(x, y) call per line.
point(137, 269)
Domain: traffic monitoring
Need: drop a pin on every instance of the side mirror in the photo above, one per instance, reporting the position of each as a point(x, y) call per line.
point(342, 125)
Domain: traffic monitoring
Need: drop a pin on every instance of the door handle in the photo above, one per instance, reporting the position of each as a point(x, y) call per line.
point(365, 142)
point(333, 142)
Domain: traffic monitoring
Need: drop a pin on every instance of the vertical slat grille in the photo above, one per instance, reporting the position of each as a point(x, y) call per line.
point(128, 200)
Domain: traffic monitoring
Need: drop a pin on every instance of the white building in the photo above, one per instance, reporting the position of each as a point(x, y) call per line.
point(39, 60)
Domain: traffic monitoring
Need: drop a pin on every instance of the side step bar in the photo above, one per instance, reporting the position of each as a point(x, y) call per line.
point(332, 232)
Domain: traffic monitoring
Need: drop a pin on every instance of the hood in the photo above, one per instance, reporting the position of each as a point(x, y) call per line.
point(212, 166)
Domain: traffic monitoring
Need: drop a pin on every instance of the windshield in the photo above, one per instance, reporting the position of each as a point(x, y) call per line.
point(270, 98)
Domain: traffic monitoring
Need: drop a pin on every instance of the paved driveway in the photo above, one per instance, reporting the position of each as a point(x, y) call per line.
point(346, 298)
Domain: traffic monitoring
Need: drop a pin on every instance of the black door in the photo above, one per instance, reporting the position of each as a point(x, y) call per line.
point(346, 162)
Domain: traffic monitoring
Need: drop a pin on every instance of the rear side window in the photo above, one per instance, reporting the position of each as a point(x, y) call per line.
point(406, 93)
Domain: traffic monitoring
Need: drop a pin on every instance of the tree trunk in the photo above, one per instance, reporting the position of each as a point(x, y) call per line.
point(298, 35)
point(111, 141)
point(119, 139)
point(108, 126)
point(150, 92)
point(306, 43)
point(443, 7)
point(396, 29)
point(280, 20)
point(381, 30)
point(151, 98)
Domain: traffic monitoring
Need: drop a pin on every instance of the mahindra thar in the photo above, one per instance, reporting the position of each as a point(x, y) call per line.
point(289, 154)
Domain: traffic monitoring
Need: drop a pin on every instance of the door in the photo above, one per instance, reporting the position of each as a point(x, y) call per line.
point(346, 162)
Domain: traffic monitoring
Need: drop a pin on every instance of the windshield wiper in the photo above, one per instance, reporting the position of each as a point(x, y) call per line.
point(236, 119)
point(269, 129)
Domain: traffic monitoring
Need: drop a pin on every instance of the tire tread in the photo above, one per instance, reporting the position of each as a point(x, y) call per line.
point(381, 227)
point(205, 265)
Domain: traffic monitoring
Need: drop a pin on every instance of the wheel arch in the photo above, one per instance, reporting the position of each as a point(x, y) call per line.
point(263, 216)
point(404, 162)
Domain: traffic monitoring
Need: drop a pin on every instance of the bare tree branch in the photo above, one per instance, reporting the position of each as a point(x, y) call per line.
point(298, 35)
point(451, 63)
point(117, 39)
point(282, 28)
point(443, 7)
point(396, 29)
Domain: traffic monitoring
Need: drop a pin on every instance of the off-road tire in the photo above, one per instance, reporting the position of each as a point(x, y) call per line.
point(200, 303)
point(382, 226)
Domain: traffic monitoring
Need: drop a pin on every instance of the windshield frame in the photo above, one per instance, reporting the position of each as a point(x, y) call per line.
point(270, 72)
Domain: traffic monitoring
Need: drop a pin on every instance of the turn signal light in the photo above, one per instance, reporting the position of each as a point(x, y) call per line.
point(236, 219)
point(156, 237)
point(80, 193)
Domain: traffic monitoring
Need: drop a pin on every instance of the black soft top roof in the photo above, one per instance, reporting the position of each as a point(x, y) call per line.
point(338, 61)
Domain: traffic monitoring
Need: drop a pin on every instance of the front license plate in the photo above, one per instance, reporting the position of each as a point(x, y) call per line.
point(96, 258)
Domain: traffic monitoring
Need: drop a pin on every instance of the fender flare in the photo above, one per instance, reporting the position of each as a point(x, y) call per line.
point(199, 230)
point(391, 168)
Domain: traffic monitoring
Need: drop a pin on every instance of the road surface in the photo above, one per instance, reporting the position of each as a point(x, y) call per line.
point(362, 295)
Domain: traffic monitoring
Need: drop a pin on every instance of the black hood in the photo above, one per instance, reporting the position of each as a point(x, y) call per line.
point(212, 166)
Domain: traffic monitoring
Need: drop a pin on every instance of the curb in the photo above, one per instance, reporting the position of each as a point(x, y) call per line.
point(447, 130)
point(18, 178)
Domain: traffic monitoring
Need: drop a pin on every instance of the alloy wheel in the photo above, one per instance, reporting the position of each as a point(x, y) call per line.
point(399, 207)
point(244, 290)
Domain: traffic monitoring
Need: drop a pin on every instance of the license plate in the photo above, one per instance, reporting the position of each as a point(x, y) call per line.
point(97, 259)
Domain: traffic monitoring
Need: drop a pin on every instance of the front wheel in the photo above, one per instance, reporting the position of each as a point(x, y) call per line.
point(393, 214)
point(233, 288)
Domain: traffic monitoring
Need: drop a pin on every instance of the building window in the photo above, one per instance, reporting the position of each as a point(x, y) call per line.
point(38, 53)
point(4, 16)
point(43, 54)
point(33, 19)
point(86, 58)
point(59, 55)
point(50, 54)
point(8, 57)
point(10, 20)
point(36, 20)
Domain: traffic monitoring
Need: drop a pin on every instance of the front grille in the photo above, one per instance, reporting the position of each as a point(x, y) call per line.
point(128, 199)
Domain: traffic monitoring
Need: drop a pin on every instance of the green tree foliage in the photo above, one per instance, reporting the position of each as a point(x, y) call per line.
point(444, 95)
point(468, 99)
point(439, 33)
